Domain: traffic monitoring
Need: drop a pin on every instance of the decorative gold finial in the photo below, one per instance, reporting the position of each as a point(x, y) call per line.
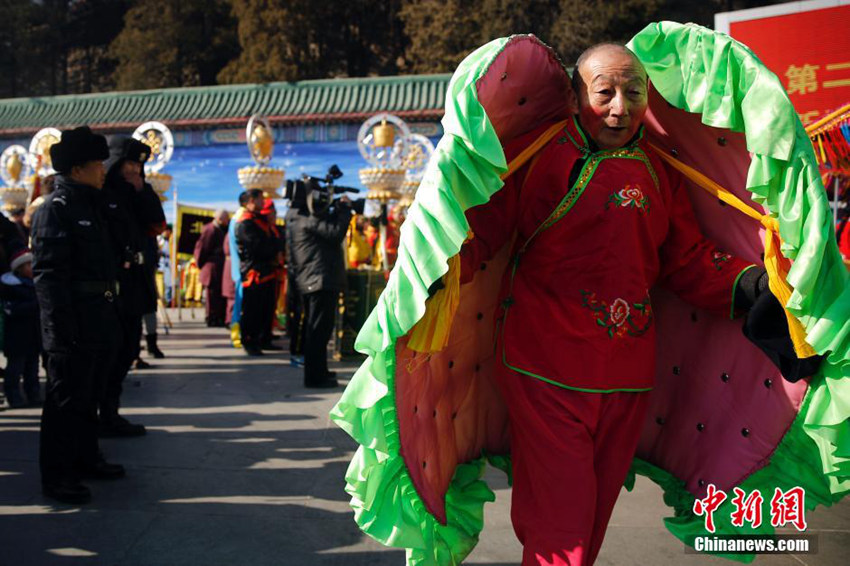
point(14, 167)
point(384, 134)
point(262, 143)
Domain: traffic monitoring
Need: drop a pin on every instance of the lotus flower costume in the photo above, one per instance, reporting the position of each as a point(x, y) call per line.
point(425, 406)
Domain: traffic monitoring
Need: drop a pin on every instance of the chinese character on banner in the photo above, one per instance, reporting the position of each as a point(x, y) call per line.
point(837, 82)
point(814, 72)
point(789, 507)
point(747, 509)
point(713, 498)
point(808, 117)
point(802, 79)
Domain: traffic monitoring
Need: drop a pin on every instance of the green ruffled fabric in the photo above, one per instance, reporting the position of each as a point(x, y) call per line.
point(708, 73)
point(463, 172)
point(697, 70)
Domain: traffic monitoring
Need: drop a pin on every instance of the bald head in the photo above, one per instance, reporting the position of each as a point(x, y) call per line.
point(604, 49)
point(222, 217)
point(610, 84)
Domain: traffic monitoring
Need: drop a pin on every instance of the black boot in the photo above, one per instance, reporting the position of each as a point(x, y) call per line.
point(67, 491)
point(153, 349)
point(100, 469)
point(113, 425)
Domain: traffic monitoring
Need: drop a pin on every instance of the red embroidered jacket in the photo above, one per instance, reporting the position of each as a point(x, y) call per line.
point(577, 310)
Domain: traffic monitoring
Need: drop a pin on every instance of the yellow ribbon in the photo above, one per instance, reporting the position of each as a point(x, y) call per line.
point(776, 265)
point(431, 333)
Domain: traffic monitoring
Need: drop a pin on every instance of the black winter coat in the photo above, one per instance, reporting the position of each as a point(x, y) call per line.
point(131, 214)
point(74, 267)
point(314, 248)
point(10, 240)
point(21, 332)
point(257, 247)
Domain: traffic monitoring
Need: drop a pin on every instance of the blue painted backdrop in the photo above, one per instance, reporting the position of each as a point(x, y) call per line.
point(206, 175)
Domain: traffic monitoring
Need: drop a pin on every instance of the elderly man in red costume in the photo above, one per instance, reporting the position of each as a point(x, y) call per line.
point(600, 219)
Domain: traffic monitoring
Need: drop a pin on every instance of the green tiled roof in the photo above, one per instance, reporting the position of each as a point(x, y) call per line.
point(342, 100)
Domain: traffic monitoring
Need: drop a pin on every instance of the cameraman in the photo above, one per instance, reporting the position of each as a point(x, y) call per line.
point(316, 262)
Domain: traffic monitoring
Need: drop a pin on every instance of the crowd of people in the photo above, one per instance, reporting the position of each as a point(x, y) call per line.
point(77, 287)
point(251, 268)
point(364, 248)
point(21, 333)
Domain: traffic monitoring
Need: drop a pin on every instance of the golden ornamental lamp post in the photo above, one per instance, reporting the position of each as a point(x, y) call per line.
point(38, 165)
point(382, 141)
point(14, 168)
point(159, 138)
point(260, 139)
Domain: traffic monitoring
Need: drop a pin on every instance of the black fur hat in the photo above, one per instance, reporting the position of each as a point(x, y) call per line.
point(77, 147)
point(125, 148)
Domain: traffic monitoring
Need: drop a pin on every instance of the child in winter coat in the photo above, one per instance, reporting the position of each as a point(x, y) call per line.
point(22, 334)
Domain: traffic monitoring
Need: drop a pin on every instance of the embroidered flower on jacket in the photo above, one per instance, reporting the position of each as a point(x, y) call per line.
point(619, 312)
point(631, 196)
point(620, 317)
point(719, 258)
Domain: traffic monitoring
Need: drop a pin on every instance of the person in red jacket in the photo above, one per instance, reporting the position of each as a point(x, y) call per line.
point(600, 219)
point(257, 250)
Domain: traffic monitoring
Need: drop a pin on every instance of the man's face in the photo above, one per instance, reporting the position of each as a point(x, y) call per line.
point(255, 204)
point(132, 172)
point(91, 173)
point(612, 99)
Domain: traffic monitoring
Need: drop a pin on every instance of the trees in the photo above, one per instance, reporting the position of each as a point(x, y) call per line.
point(302, 39)
point(442, 32)
point(70, 46)
point(167, 43)
point(15, 47)
point(265, 30)
point(56, 46)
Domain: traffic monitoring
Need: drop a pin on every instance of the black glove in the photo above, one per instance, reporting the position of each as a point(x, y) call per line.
point(766, 326)
point(751, 285)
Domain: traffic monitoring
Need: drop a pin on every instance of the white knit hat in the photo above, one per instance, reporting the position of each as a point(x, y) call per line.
point(20, 257)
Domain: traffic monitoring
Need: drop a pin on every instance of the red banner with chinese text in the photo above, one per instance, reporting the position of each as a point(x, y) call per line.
point(808, 51)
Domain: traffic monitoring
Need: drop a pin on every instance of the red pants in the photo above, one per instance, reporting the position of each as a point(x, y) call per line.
point(571, 452)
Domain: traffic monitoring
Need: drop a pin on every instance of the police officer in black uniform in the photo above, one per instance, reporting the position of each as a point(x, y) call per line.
point(75, 281)
point(132, 209)
point(315, 257)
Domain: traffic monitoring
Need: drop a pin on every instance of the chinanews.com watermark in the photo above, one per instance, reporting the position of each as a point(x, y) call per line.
point(785, 509)
point(753, 544)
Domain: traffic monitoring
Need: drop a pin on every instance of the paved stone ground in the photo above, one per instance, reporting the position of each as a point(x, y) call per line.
point(242, 467)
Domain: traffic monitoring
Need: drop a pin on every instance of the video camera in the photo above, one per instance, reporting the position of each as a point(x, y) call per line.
point(317, 194)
